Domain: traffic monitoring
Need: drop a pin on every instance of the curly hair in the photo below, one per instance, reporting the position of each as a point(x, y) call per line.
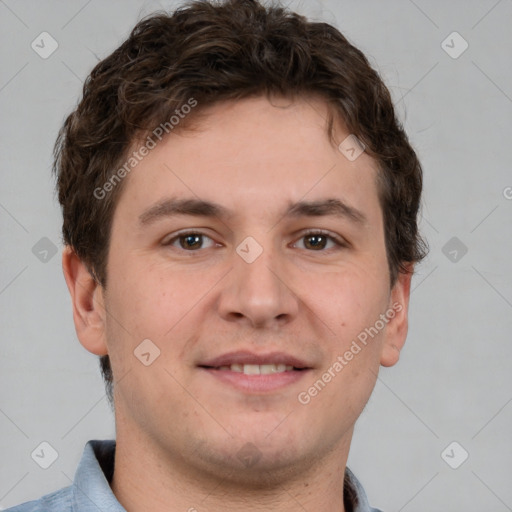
point(217, 51)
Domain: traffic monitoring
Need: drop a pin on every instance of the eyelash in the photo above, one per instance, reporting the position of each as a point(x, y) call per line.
point(339, 242)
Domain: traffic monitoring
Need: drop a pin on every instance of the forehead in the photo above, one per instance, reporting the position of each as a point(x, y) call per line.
point(254, 154)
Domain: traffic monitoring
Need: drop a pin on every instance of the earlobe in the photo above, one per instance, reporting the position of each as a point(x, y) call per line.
point(396, 329)
point(88, 303)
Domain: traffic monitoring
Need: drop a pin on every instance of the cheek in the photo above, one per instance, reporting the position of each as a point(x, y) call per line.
point(147, 300)
point(351, 299)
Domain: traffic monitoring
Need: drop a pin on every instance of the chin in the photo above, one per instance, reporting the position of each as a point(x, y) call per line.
point(254, 465)
point(258, 448)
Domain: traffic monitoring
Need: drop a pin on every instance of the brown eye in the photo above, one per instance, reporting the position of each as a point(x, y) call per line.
point(191, 241)
point(315, 242)
point(319, 242)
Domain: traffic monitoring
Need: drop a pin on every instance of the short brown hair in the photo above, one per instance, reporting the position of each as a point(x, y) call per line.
point(218, 51)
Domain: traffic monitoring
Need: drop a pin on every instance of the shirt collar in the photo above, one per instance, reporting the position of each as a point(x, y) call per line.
point(92, 492)
point(91, 487)
point(354, 497)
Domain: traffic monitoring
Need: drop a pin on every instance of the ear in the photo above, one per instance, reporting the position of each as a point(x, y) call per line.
point(396, 329)
point(88, 303)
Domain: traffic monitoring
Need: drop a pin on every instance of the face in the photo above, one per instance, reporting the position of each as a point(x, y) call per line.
point(248, 246)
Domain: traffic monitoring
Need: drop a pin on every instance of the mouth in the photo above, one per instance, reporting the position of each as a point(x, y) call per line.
point(256, 369)
point(256, 373)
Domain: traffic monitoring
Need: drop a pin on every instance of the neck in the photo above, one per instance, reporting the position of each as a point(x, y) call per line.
point(148, 478)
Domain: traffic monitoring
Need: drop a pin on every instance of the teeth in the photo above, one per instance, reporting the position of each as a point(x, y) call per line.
point(258, 369)
point(251, 369)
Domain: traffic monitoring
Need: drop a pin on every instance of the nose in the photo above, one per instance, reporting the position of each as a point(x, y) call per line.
point(259, 293)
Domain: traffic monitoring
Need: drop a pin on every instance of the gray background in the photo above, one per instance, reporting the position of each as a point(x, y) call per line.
point(453, 382)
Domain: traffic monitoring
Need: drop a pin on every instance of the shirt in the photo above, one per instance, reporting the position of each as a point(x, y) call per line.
point(91, 491)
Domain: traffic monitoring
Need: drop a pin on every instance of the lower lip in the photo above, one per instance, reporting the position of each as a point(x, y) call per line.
point(257, 383)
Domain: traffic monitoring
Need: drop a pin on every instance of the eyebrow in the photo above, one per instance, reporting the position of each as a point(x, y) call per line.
point(171, 207)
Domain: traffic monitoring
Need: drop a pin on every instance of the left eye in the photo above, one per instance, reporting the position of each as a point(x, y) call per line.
point(318, 241)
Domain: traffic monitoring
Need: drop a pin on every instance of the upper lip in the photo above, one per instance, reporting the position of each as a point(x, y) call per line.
point(247, 357)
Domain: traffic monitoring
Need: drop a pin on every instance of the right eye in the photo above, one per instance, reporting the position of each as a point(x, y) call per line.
point(189, 241)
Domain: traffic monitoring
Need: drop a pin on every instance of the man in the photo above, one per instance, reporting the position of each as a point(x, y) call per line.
point(240, 210)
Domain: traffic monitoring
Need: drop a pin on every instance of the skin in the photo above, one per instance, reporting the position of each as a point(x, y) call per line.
point(179, 429)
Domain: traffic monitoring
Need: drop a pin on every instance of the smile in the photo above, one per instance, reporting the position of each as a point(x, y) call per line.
point(257, 369)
